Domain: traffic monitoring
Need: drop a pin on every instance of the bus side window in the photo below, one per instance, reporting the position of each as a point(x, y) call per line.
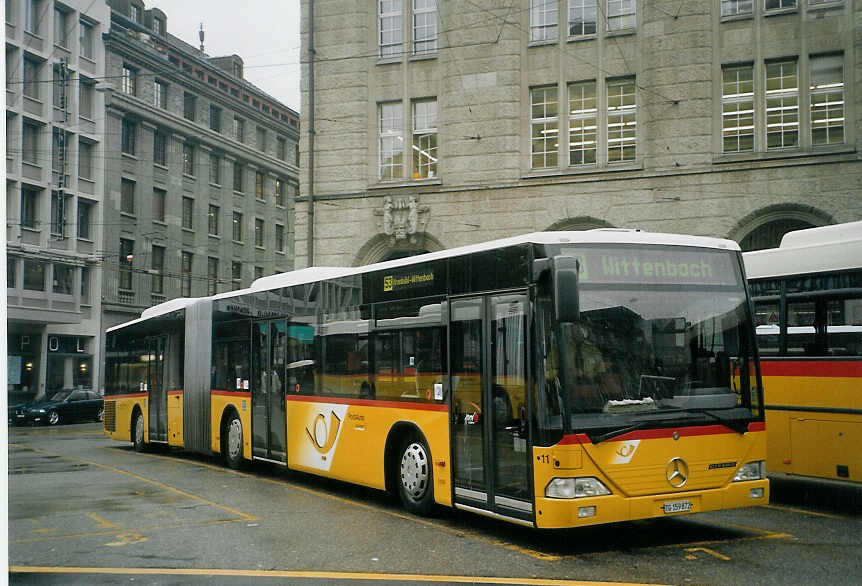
point(844, 327)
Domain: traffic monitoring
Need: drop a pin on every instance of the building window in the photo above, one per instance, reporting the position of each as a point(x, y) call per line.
point(261, 138)
point(281, 148)
point(424, 27)
point(279, 192)
point(583, 123)
point(30, 78)
point(85, 159)
point(391, 165)
point(237, 227)
point(127, 249)
point(160, 148)
point(11, 262)
point(258, 232)
point(543, 20)
point(158, 267)
point(127, 196)
point(621, 15)
point(160, 94)
point(188, 213)
point(32, 16)
point(215, 169)
point(64, 276)
point(85, 39)
point(160, 196)
point(34, 275)
point(389, 18)
point(85, 99)
point(582, 17)
point(215, 118)
point(622, 120)
point(129, 137)
point(130, 80)
point(258, 185)
point(189, 106)
point(30, 143)
point(158, 27)
point(736, 7)
point(58, 213)
point(780, 4)
point(827, 99)
point(135, 13)
point(236, 275)
point(58, 144)
point(237, 178)
point(186, 277)
point(29, 208)
point(425, 139)
point(544, 124)
point(239, 129)
point(85, 284)
point(212, 220)
point(782, 105)
point(737, 109)
point(61, 32)
point(85, 212)
point(279, 238)
point(188, 159)
point(258, 272)
point(212, 275)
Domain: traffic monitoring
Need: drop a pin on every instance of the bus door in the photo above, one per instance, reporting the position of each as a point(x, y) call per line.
point(490, 411)
point(157, 393)
point(268, 420)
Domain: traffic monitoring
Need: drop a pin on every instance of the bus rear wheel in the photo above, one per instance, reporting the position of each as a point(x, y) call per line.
point(415, 476)
point(233, 442)
point(138, 433)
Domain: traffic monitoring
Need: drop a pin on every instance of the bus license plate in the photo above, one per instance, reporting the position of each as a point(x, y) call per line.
point(677, 506)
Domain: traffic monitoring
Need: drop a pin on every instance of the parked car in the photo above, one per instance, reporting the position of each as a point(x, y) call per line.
point(16, 411)
point(65, 407)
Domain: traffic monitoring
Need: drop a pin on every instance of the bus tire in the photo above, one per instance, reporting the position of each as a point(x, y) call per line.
point(233, 442)
point(138, 433)
point(415, 476)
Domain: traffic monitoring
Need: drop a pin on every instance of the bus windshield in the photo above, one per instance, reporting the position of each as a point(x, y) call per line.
point(655, 355)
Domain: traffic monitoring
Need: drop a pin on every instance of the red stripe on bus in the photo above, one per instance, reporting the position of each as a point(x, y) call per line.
point(370, 403)
point(665, 432)
point(176, 392)
point(243, 394)
point(816, 368)
point(128, 396)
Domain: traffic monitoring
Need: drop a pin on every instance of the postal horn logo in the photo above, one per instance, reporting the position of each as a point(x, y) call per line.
point(323, 436)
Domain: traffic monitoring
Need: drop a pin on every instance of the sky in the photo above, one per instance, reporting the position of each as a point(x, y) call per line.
point(265, 33)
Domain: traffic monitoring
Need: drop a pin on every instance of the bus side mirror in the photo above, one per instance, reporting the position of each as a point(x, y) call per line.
point(564, 273)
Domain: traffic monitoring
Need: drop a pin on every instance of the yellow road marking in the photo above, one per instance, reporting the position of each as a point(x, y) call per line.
point(308, 574)
point(706, 550)
point(127, 539)
point(114, 530)
point(242, 516)
point(802, 511)
point(100, 521)
point(398, 515)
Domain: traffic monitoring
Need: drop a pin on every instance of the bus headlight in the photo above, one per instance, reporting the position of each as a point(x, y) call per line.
point(751, 471)
point(573, 488)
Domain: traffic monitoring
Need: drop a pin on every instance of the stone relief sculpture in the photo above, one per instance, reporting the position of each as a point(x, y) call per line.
point(402, 218)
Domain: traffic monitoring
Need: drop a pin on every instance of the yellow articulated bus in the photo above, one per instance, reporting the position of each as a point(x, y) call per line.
point(808, 305)
point(552, 380)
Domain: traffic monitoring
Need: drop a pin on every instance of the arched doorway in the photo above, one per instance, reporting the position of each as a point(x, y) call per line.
point(769, 235)
point(579, 223)
point(382, 248)
point(765, 227)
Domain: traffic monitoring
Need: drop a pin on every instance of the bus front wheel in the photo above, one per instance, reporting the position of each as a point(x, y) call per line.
point(138, 437)
point(233, 442)
point(415, 478)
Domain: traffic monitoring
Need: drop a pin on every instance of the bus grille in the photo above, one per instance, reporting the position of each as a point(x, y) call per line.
point(110, 416)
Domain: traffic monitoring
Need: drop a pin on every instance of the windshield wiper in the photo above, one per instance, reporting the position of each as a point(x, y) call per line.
point(738, 425)
point(616, 432)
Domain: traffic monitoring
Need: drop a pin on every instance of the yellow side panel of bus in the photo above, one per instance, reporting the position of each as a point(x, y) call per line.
point(348, 442)
point(219, 401)
point(175, 418)
point(122, 419)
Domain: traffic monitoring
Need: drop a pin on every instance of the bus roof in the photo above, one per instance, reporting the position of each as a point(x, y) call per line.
point(598, 236)
point(814, 250)
point(313, 274)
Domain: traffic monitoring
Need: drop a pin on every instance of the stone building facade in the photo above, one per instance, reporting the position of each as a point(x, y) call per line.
point(201, 170)
point(429, 125)
point(54, 194)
